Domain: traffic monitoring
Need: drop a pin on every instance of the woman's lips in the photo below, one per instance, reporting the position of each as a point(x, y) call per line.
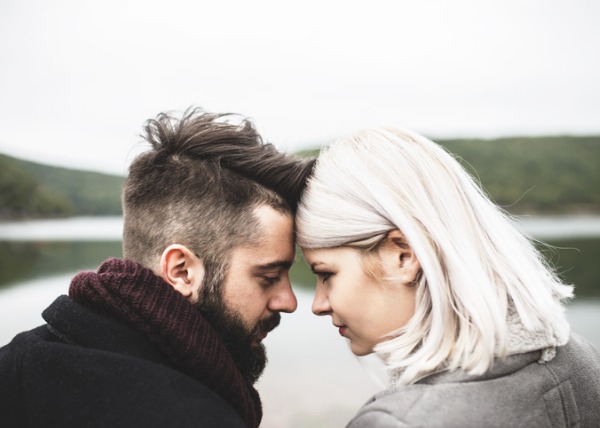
point(342, 330)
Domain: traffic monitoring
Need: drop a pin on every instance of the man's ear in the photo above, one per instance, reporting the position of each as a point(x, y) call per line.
point(399, 259)
point(183, 270)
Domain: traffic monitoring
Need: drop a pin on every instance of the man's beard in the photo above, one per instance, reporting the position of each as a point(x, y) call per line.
point(244, 344)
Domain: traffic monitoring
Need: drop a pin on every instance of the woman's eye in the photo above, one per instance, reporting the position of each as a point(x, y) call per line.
point(323, 276)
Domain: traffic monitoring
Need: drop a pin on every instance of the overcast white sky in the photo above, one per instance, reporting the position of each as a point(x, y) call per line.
point(79, 78)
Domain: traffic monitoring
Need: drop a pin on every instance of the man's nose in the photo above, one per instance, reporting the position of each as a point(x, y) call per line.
point(283, 299)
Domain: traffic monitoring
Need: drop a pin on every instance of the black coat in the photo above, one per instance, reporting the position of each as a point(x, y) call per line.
point(95, 371)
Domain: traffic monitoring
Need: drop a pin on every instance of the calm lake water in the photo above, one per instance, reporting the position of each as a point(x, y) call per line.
point(312, 379)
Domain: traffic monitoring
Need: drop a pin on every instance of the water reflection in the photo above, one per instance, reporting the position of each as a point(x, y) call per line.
point(576, 260)
point(312, 379)
point(22, 261)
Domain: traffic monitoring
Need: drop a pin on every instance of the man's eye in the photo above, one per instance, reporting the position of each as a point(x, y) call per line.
point(270, 280)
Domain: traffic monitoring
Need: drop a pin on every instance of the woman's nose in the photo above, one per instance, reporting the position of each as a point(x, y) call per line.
point(321, 304)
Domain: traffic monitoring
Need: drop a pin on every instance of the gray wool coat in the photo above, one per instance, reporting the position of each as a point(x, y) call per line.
point(518, 391)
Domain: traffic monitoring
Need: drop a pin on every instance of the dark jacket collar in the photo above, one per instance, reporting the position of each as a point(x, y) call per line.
point(132, 294)
point(75, 324)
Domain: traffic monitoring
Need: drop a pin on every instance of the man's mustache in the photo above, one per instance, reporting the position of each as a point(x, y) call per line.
point(268, 324)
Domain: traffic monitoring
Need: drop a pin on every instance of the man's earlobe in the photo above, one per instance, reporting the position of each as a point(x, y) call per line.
point(182, 270)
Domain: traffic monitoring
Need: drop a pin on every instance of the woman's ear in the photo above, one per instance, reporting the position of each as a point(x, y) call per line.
point(399, 259)
point(182, 270)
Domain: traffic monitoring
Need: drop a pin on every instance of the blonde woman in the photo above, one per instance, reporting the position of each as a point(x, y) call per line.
point(417, 265)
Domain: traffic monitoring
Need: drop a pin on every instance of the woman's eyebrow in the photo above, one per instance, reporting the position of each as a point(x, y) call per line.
point(313, 265)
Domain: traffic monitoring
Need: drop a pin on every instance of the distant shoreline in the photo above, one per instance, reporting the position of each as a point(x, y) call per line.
point(109, 228)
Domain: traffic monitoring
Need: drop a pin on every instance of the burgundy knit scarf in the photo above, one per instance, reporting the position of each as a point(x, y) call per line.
point(133, 294)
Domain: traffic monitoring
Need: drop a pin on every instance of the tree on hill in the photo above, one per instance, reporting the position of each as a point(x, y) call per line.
point(558, 174)
point(31, 190)
point(21, 195)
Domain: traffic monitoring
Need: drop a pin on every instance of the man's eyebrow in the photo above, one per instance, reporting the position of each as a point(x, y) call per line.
point(278, 264)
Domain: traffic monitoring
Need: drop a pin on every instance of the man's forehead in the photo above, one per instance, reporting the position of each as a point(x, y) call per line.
point(272, 244)
point(265, 257)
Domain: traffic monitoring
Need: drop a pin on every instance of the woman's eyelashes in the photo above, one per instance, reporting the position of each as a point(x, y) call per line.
point(323, 276)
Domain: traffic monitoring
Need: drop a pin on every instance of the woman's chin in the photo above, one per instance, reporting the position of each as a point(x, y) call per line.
point(360, 351)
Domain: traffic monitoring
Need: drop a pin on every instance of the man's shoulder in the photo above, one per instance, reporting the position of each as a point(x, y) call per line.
point(23, 342)
point(69, 385)
point(12, 403)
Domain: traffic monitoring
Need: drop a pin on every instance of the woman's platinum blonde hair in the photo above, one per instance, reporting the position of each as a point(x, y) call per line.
point(475, 264)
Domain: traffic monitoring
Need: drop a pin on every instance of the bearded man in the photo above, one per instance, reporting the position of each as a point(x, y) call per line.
point(171, 334)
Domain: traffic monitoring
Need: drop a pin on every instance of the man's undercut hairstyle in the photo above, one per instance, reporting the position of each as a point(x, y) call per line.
point(199, 184)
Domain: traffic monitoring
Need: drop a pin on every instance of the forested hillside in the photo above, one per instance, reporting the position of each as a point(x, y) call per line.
point(31, 190)
point(550, 175)
point(544, 174)
point(534, 174)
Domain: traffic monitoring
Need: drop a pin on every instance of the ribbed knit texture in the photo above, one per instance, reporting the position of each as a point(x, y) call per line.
point(133, 294)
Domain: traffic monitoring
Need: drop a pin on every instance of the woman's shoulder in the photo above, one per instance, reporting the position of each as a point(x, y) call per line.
point(519, 391)
point(579, 347)
point(389, 408)
point(464, 404)
point(454, 404)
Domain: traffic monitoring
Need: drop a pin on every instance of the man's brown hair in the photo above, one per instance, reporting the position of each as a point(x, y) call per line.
point(199, 184)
